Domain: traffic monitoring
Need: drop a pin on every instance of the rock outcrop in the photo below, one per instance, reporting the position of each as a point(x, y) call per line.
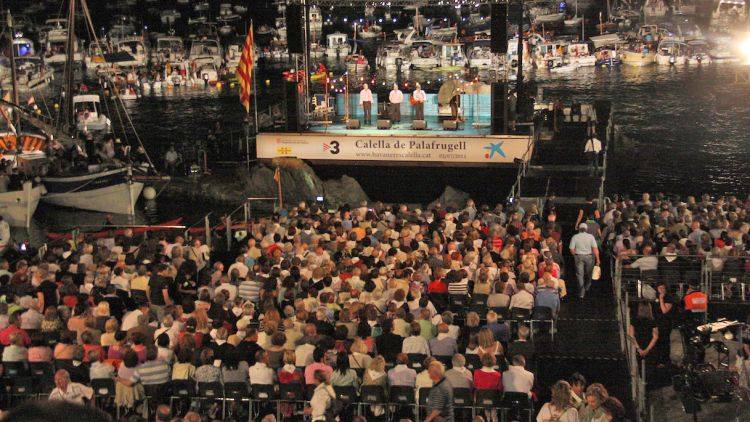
point(451, 197)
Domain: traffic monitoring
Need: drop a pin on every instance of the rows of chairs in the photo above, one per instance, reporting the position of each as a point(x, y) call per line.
point(256, 396)
point(21, 381)
point(463, 304)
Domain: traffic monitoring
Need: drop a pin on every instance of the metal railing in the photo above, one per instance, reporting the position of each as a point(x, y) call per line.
point(609, 138)
point(515, 190)
point(636, 372)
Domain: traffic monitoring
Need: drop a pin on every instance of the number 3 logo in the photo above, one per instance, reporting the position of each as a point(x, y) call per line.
point(335, 147)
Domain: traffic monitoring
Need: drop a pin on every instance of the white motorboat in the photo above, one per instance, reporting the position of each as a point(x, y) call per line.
point(31, 74)
point(547, 13)
point(137, 50)
point(671, 53)
point(169, 49)
point(391, 57)
point(356, 64)
point(480, 55)
point(580, 54)
point(56, 40)
point(370, 31)
point(206, 71)
point(424, 54)
point(111, 191)
point(94, 59)
point(88, 112)
point(452, 56)
point(206, 47)
point(683, 7)
point(337, 45)
point(698, 52)
point(17, 205)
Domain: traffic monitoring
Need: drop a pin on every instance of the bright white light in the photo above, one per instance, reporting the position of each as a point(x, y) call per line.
point(745, 48)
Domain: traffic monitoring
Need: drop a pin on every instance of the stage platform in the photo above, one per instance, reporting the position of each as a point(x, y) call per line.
point(470, 145)
point(434, 128)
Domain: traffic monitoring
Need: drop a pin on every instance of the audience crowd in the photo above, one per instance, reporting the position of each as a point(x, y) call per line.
point(385, 296)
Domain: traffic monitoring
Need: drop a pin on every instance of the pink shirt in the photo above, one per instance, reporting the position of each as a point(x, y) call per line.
point(310, 372)
point(40, 354)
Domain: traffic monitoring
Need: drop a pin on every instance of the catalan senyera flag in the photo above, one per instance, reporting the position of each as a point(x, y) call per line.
point(245, 70)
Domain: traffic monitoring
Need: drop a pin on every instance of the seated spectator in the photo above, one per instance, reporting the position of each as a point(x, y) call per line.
point(154, 372)
point(560, 407)
point(486, 377)
point(87, 340)
point(183, 369)
point(99, 369)
point(548, 296)
point(117, 350)
point(401, 375)
point(522, 346)
point(415, 343)
point(39, 351)
point(522, 298)
point(498, 298)
point(207, 372)
point(319, 355)
point(443, 344)
point(129, 390)
point(108, 337)
point(260, 373)
point(375, 375)
point(517, 379)
point(15, 350)
point(164, 353)
point(359, 359)
point(68, 391)
point(388, 343)
point(343, 375)
point(234, 368)
point(613, 410)
point(458, 375)
point(500, 329)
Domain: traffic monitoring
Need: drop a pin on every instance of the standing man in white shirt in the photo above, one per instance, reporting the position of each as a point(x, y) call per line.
point(365, 101)
point(396, 97)
point(585, 251)
point(419, 98)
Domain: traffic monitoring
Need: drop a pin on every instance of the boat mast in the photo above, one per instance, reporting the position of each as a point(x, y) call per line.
point(16, 99)
point(68, 78)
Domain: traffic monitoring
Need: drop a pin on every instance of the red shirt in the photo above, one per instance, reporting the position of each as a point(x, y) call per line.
point(437, 286)
point(488, 380)
point(5, 336)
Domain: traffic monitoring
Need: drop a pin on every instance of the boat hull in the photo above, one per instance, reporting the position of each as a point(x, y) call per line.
point(107, 191)
point(637, 59)
point(17, 207)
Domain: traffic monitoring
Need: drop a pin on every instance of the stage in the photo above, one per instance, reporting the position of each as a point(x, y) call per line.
point(404, 128)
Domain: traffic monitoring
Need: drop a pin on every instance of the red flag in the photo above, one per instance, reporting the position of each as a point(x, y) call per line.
point(245, 70)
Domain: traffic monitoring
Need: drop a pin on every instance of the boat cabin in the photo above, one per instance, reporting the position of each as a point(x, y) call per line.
point(335, 40)
point(23, 47)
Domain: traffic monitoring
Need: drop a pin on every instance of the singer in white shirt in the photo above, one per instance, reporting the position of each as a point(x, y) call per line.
point(396, 97)
point(365, 100)
point(418, 97)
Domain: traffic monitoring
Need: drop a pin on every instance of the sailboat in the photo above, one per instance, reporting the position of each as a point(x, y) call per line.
point(103, 189)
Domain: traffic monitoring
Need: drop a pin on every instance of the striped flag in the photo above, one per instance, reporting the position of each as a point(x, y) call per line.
point(245, 70)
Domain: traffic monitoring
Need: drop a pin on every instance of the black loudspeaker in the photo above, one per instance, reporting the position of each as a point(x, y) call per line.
point(291, 99)
point(499, 102)
point(499, 37)
point(294, 29)
point(515, 11)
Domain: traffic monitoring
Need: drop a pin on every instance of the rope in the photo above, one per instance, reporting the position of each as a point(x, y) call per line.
point(130, 121)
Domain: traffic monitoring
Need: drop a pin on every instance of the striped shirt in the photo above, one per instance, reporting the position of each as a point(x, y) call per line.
point(459, 287)
point(441, 399)
point(154, 372)
point(250, 290)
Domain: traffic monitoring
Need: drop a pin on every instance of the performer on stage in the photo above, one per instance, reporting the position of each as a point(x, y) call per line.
point(455, 103)
point(396, 97)
point(417, 98)
point(365, 100)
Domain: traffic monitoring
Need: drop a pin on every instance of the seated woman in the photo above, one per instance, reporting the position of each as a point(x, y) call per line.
point(560, 407)
point(39, 351)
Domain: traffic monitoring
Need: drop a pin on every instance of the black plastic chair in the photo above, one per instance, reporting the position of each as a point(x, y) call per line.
point(104, 390)
point(479, 300)
point(292, 392)
point(15, 369)
point(473, 362)
point(416, 361)
point(373, 395)
point(346, 394)
point(503, 312)
point(516, 404)
point(423, 396)
point(402, 395)
point(463, 398)
point(22, 387)
point(263, 392)
point(458, 303)
point(237, 392)
point(447, 361)
point(181, 390)
point(542, 315)
point(520, 314)
point(488, 399)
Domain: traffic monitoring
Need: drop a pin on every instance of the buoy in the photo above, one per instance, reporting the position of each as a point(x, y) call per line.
point(149, 192)
point(268, 82)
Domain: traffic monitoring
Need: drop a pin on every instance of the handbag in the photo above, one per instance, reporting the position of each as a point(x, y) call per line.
point(412, 101)
point(596, 273)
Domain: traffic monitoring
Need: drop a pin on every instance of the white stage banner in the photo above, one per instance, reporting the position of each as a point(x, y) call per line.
point(487, 150)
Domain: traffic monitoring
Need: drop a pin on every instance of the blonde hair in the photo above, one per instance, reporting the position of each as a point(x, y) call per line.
point(289, 357)
point(486, 338)
point(377, 364)
point(358, 346)
point(561, 395)
point(111, 325)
